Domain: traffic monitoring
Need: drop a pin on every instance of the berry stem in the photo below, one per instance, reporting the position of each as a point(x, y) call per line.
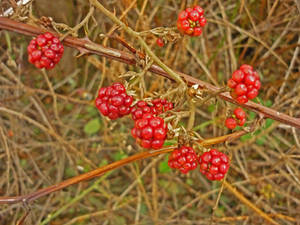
point(104, 169)
point(85, 46)
point(135, 34)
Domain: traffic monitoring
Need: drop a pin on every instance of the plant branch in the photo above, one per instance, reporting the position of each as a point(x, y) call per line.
point(135, 34)
point(104, 169)
point(89, 47)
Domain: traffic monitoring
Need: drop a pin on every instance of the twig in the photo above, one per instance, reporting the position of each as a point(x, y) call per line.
point(248, 203)
point(102, 170)
point(85, 47)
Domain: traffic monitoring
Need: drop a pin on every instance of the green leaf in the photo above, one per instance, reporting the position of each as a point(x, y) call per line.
point(268, 123)
point(261, 140)
point(164, 167)
point(119, 155)
point(268, 103)
point(92, 111)
point(251, 115)
point(92, 127)
point(170, 142)
point(211, 108)
point(246, 137)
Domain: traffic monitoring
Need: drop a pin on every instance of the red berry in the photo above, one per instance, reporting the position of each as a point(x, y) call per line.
point(214, 164)
point(257, 84)
point(190, 21)
point(241, 89)
point(230, 123)
point(239, 113)
point(231, 83)
point(202, 22)
point(188, 10)
point(242, 99)
point(160, 42)
point(150, 131)
point(247, 69)
point(241, 122)
point(252, 94)
point(197, 31)
point(112, 101)
point(185, 24)
point(45, 51)
point(246, 83)
point(250, 79)
point(183, 15)
point(194, 15)
point(238, 76)
point(199, 9)
point(184, 159)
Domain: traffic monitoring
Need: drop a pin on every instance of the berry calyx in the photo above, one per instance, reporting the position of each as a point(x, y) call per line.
point(214, 164)
point(45, 51)
point(191, 21)
point(245, 83)
point(184, 159)
point(150, 131)
point(160, 42)
point(113, 101)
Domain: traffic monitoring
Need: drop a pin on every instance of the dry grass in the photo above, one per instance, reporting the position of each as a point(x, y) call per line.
point(44, 115)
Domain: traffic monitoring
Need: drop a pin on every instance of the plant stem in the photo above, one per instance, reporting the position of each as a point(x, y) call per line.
point(89, 47)
point(135, 34)
point(104, 169)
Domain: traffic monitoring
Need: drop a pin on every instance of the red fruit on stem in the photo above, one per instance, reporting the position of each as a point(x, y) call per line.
point(230, 123)
point(239, 113)
point(214, 164)
point(160, 42)
point(150, 131)
point(241, 89)
point(112, 101)
point(184, 159)
point(45, 51)
point(238, 76)
point(190, 21)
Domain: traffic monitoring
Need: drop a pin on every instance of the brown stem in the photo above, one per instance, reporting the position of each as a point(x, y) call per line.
point(88, 47)
point(100, 171)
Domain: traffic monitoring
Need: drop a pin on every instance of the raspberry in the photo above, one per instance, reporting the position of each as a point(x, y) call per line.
point(184, 159)
point(238, 118)
point(45, 51)
point(142, 107)
point(245, 83)
point(160, 42)
point(214, 164)
point(112, 101)
point(191, 21)
point(150, 131)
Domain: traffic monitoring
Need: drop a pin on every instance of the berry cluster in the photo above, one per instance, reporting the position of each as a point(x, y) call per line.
point(214, 164)
point(184, 159)
point(150, 131)
point(45, 51)
point(238, 118)
point(112, 101)
point(191, 20)
point(158, 106)
point(245, 83)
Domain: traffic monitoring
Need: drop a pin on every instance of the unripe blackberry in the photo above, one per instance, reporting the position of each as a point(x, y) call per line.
point(45, 51)
point(184, 159)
